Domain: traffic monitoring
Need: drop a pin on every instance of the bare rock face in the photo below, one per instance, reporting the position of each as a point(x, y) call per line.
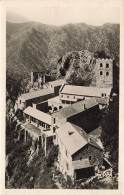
point(77, 67)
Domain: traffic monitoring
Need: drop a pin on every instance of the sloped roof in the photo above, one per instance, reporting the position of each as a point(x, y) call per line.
point(86, 136)
point(58, 82)
point(37, 114)
point(76, 140)
point(80, 164)
point(38, 93)
point(102, 100)
point(32, 128)
point(77, 108)
point(85, 91)
point(67, 112)
point(73, 142)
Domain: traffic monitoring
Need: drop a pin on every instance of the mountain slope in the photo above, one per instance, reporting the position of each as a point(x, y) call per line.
point(35, 46)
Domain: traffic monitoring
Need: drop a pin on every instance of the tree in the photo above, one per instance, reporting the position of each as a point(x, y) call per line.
point(110, 131)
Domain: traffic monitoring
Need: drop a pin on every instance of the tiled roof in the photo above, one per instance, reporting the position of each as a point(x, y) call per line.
point(32, 128)
point(77, 108)
point(37, 114)
point(72, 142)
point(75, 141)
point(102, 100)
point(80, 164)
point(86, 136)
point(38, 93)
point(85, 91)
point(96, 132)
point(58, 82)
point(67, 112)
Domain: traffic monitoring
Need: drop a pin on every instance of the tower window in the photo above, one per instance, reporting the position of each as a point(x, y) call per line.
point(107, 73)
point(90, 157)
point(54, 120)
point(101, 65)
point(101, 73)
point(54, 129)
point(107, 65)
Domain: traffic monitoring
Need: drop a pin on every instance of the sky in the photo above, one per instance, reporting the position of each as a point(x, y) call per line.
point(61, 15)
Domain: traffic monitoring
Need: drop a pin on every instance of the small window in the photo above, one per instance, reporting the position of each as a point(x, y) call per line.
point(66, 153)
point(20, 101)
point(102, 94)
point(61, 95)
point(54, 129)
point(54, 120)
point(107, 73)
point(54, 136)
point(101, 73)
point(67, 96)
point(74, 97)
point(90, 157)
point(101, 65)
point(107, 65)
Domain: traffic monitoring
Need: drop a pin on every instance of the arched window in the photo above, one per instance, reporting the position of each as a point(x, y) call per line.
point(55, 108)
point(101, 73)
point(60, 107)
point(107, 65)
point(107, 73)
point(101, 65)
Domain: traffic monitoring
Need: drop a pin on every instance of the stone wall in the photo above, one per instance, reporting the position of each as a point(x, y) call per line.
point(38, 99)
point(104, 72)
point(88, 152)
point(87, 119)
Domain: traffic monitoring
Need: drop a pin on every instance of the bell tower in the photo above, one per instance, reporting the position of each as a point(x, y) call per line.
point(104, 72)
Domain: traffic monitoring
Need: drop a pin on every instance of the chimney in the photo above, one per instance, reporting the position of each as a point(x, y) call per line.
point(89, 139)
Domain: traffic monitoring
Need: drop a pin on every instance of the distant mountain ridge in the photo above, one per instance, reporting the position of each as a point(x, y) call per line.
point(34, 46)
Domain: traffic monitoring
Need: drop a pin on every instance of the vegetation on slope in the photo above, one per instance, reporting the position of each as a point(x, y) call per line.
point(110, 132)
point(34, 46)
point(20, 174)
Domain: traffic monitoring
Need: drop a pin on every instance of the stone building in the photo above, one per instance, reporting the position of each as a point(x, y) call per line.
point(38, 77)
point(83, 113)
point(79, 155)
point(36, 128)
point(55, 104)
point(56, 85)
point(104, 72)
point(28, 99)
point(70, 93)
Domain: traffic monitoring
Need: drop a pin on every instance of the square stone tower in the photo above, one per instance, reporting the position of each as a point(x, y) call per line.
point(104, 72)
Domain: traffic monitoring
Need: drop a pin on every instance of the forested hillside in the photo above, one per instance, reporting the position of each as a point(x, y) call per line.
point(35, 46)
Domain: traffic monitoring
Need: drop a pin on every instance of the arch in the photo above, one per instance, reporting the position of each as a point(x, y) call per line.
point(60, 107)
point(55, 109)
point(50, 108)
point(107, 73)
point(107, 65)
